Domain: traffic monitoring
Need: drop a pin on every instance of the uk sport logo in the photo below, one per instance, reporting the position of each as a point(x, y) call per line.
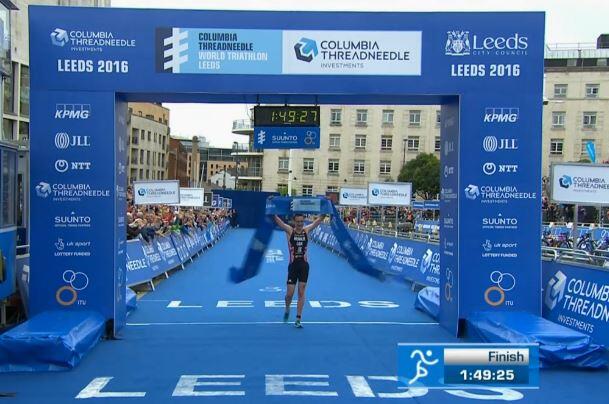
point(306, 49)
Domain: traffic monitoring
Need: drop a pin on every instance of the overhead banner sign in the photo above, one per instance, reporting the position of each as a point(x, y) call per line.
point(192, 197)
point(389, 193)
point(156, 192)
point(580, 183)
point(275, 52)
point(353, 197)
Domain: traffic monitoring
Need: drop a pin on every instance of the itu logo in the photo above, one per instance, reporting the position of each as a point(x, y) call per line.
point(555, 290)
point(59, 37)
point(565, 181)
point(174, 50)
point(457, 43)
point(43, 190)
point(472, 192)
point(306, 49)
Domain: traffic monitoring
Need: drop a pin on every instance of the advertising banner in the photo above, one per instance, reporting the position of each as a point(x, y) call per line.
point(192, 197)
point(215, 201)
point(156, 192)
point(292, 137)
point(353, 196)
point(207, 197)
point(389, 193)
point(584, 184)
point(577, 297)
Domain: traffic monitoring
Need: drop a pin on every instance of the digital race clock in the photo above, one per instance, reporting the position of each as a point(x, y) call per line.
point(286, 116)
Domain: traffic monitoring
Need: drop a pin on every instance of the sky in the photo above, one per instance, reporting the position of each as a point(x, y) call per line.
point(567, 21)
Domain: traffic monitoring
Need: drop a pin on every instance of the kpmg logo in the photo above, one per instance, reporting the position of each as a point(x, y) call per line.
point(463, 43)
point(457, 43)
point(43, 190)
point(173, 50)
point(64, 141)
point(472, 192)
point(565, 181)
point(555, 291)
point(491, 144)
point(306, 49)
point(501, 115)
point(59, 37)
point(72, 111)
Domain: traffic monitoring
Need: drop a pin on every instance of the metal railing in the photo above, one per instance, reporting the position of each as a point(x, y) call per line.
point(384, 231)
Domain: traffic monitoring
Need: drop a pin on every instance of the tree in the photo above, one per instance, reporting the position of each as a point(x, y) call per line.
point(424, 173)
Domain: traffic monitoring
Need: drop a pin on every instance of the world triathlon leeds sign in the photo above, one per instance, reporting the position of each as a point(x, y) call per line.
point(484, 69)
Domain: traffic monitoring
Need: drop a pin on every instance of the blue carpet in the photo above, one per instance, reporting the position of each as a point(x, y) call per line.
point(344, 354)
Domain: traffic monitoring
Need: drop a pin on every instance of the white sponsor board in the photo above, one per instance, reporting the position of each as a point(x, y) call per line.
point(156, 192)
point(580, 183)
point(353, 197)
point(352, 52)
point(389, 193)
point(192, 197)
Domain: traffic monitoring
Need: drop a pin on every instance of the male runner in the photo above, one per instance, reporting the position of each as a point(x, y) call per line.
point(298, 270)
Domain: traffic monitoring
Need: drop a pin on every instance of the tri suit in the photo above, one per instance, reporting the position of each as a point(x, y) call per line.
point(298, 270)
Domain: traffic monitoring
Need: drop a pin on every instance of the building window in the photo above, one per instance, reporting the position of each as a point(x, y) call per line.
point(335, 142)
point(149, 136)
point(359, 167)
point(332, 188)
point(7, 129)
point(307, 165)
point(560, 90)
point(387, 117)
point(589, 119)
point(556, 147)
point(307, 190)
point(438, 118)
point(437, 144)
point(284, 164)
point(143, 135)
point(141, 156)
point(414, 118)
point(335, 117)
point(333, 166)
point(558, 119)
point(360, 141)
point(386, 143)
point(592, 90)
point(412, 143)
point(24, 91)
point(9, 91)
point(361, 117)
point(385, 168)
point(584, 149)
point(24, 130)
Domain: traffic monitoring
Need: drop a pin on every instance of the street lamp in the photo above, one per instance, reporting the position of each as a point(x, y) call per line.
point(236, 153)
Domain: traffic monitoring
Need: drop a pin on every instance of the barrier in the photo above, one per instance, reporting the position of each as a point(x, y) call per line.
point(146, 261)
point(597, 232)
point(416, 261)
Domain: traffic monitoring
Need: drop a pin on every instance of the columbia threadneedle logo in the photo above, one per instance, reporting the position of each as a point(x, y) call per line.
point(555, 290)
point(59, 37)
point(174, 50)
point(306, 49)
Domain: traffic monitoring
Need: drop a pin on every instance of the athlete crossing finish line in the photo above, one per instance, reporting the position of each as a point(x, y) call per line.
point(298, 270)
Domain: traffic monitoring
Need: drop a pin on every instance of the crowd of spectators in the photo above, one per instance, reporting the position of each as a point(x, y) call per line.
point(385, 216)
point(149, 221)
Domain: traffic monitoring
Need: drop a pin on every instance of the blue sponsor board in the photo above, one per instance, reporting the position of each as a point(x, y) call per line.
point(280, 137)
point(215, 201)
point(577, 297)
point(8, 240)
point(412, 260)
point(438, 366)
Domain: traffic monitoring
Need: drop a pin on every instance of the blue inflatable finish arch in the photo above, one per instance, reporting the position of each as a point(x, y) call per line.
point(485, 69)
